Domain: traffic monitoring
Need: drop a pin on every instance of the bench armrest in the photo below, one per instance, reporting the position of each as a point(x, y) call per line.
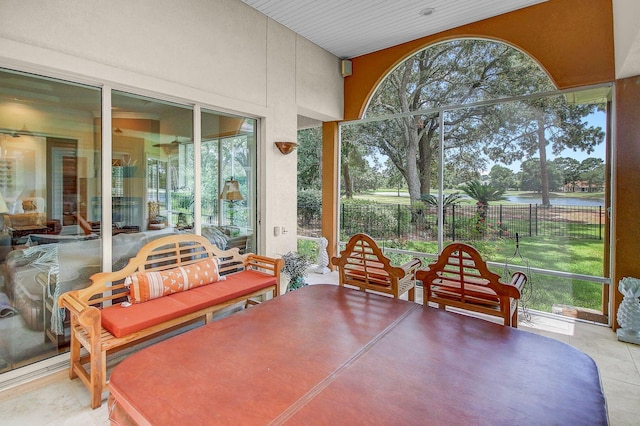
point(518, 280)
point(255, 261)
point(89, 317)
point(411, 267)
point(267, 265)
point(70, 301)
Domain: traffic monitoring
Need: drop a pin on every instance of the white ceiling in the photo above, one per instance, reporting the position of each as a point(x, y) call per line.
point(626, 34)
point(349, 28)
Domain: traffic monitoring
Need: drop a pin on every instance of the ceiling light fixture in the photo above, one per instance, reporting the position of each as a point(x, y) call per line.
point(22, 132)
point(427, 11)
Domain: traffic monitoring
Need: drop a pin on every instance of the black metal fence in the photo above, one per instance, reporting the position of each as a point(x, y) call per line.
point(462, 222)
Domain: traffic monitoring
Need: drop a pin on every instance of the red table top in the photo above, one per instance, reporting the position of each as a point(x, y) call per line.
point(324, 354)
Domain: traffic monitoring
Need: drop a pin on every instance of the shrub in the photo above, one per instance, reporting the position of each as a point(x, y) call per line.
point(377, 220)
point(308, 249)
point(309, 206)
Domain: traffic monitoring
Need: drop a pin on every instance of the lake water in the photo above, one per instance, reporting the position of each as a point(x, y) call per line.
point(555, 201)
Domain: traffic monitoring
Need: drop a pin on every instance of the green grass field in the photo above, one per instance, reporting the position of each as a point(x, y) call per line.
point(384, 196)
point(565, 254)
point(543, 291)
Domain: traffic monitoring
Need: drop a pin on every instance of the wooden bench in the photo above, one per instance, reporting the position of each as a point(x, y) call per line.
point(102, 324)
point(461, 279)
point(362, 264)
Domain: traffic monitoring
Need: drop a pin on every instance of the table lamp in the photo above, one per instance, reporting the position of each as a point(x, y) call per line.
point(231, 193)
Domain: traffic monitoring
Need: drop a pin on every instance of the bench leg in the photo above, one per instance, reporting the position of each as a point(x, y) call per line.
point(74, 355)
point(251, 302)
point(98, 373)
point(412, 294)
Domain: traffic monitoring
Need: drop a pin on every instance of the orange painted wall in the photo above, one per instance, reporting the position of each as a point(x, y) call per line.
point(625, 214)
point(571, 39)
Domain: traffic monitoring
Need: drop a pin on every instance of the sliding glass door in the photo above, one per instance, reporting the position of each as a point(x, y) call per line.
point(50, 172)
point(54, 212)
point(228, 180)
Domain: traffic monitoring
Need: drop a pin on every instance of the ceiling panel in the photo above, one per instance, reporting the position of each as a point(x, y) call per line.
point(349, 28)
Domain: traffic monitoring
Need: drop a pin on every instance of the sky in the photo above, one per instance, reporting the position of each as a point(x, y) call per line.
point(598, 119)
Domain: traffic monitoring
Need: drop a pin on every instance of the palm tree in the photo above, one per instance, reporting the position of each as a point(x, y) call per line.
point(447, 200)
point(482, 193)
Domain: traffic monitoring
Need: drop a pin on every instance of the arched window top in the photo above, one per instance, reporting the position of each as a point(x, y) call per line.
point(458, 72)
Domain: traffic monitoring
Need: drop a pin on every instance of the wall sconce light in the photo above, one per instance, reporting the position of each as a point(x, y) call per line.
point(286, 147)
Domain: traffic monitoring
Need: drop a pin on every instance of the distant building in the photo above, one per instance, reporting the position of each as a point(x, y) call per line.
point(582, 186)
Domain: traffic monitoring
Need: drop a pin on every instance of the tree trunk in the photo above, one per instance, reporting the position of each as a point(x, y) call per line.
point(544, 173)
point(426, 151)
point(348, 183)
point(413, 176)
point(425, 173)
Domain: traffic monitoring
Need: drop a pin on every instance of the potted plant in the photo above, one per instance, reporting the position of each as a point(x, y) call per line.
point(295, 267)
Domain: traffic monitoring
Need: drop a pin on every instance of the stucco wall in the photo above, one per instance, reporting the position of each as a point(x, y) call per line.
point(221, 53)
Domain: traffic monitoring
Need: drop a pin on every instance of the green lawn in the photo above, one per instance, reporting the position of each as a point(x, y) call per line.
point(555, 254)
point(565, 254)
point(542, 291)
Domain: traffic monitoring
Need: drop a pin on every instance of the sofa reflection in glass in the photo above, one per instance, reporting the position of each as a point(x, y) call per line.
point(36, 275)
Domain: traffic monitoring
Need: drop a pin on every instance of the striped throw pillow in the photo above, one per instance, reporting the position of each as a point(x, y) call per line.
point(145, 286)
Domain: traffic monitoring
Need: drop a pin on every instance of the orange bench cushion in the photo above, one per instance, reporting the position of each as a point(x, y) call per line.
point(122, 321)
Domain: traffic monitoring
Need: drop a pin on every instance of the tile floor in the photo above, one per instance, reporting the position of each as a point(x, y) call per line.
point(56, 400)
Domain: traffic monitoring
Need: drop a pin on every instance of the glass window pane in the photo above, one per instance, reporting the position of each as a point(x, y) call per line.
point(524, 182)
point(458, 72)
point(309, 203)
point(50, 159)
point(152, 166)
point(229, 180)
point(381, 193)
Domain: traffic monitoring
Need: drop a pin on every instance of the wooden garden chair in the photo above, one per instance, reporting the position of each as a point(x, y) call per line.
point(362, 264)
point(460, 278)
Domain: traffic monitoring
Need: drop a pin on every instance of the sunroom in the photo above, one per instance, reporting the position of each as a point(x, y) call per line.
point(119, 124)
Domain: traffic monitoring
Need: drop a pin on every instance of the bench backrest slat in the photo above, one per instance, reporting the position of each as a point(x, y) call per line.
point(159, 255)
point(461, 268)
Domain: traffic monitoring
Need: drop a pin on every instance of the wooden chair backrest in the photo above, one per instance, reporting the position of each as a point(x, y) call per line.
point(158, 255)
point(363, 261)
point(461, 265)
